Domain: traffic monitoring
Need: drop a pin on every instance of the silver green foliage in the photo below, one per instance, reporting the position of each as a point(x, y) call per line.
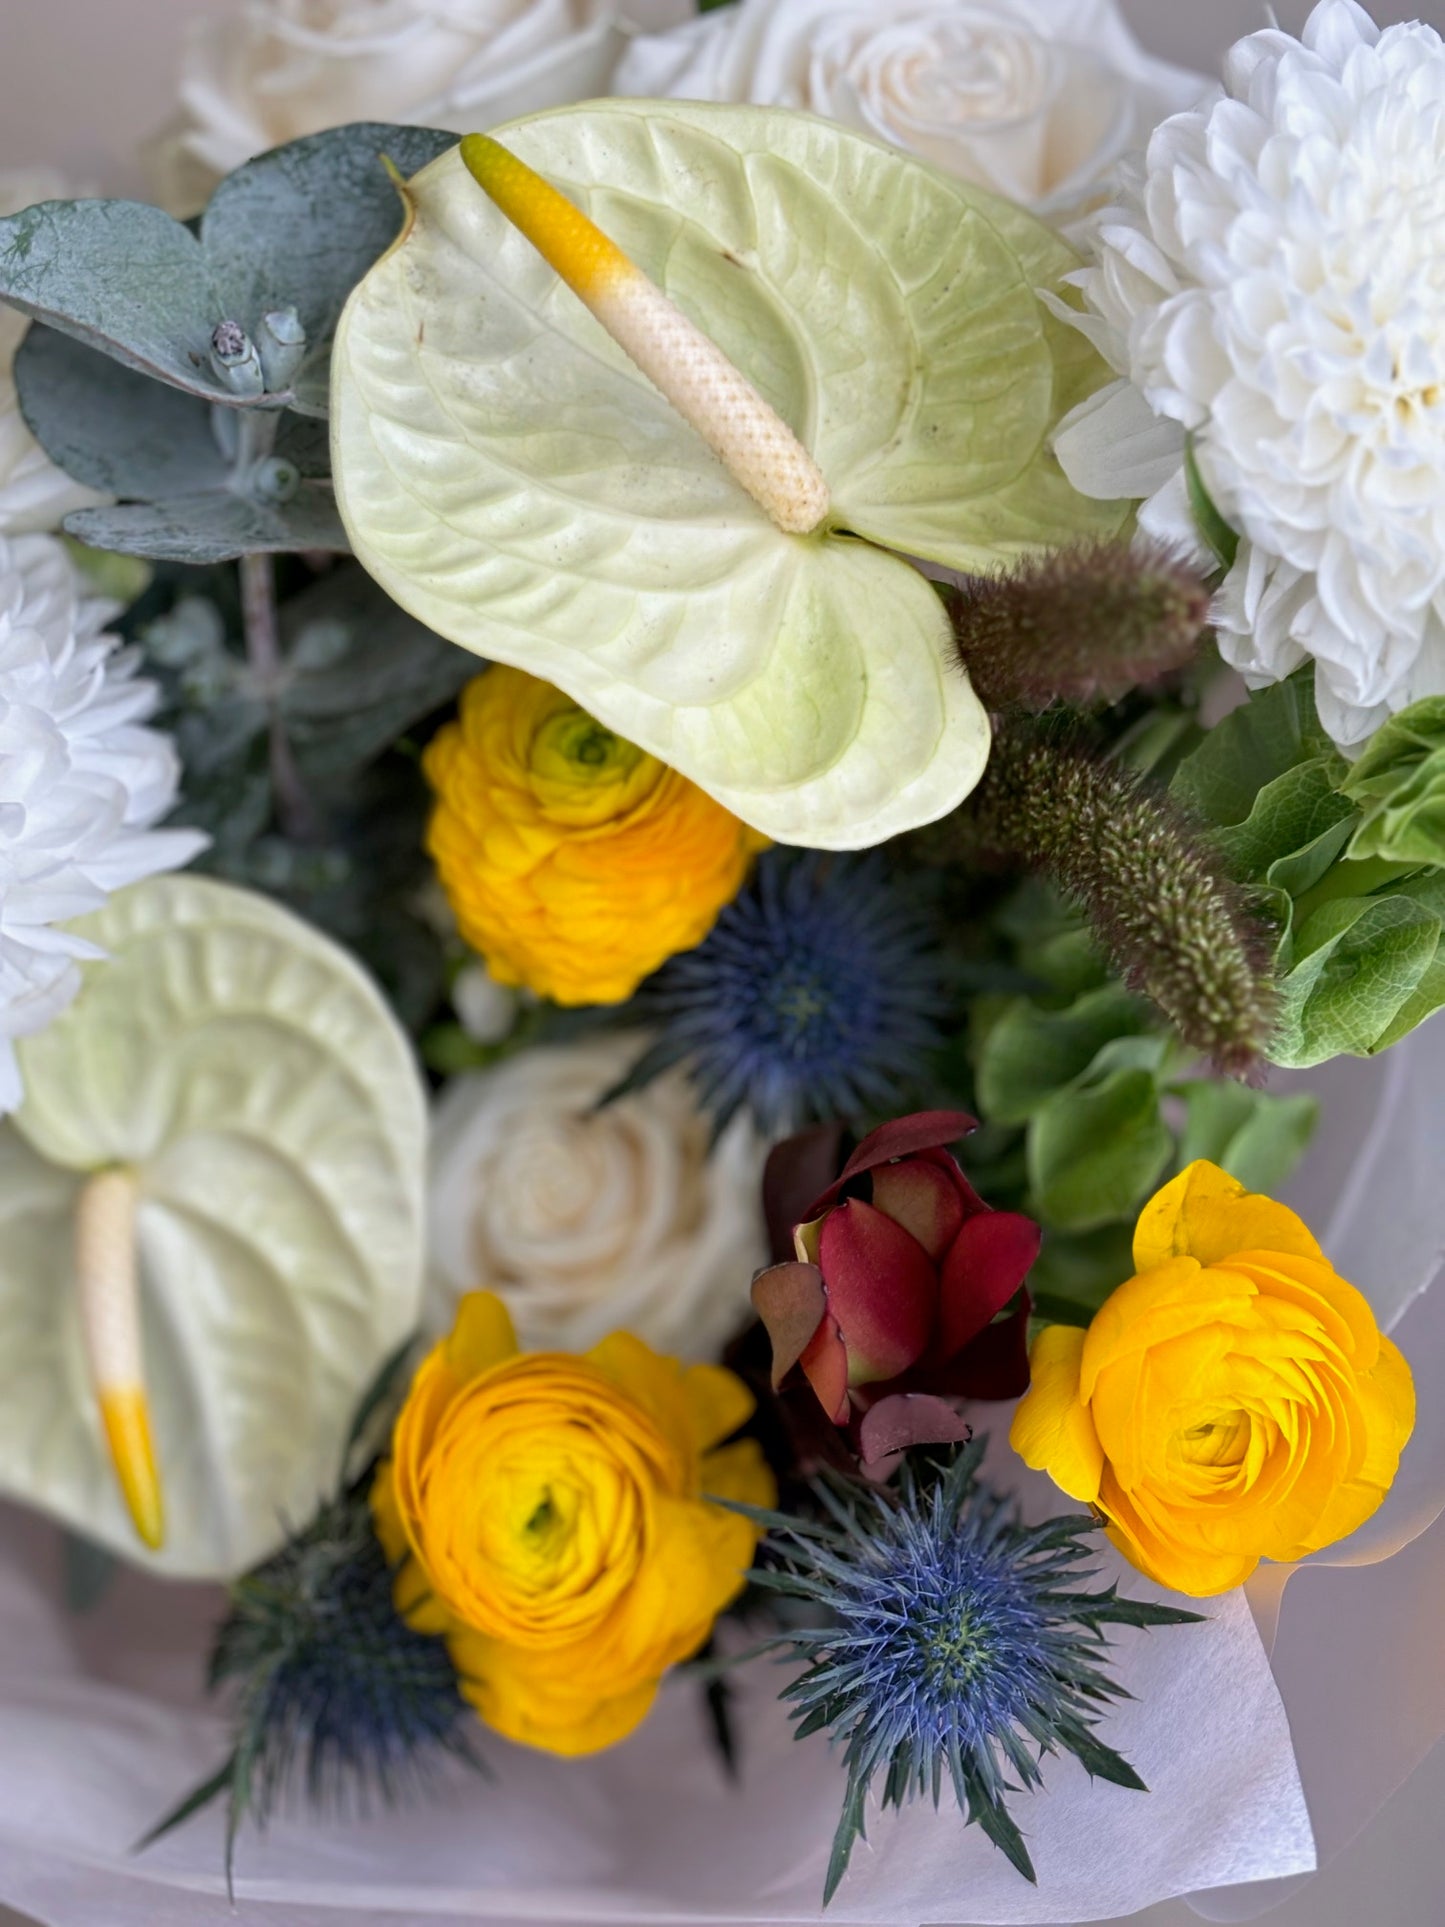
point(185, 371)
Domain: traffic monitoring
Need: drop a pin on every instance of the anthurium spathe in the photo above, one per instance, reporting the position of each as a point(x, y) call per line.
point(510, 476)
point(901, 1270)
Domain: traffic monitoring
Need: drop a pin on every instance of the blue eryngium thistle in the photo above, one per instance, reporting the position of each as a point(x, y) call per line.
point(815, 996)
point(331, 1688)
point(959, 1646)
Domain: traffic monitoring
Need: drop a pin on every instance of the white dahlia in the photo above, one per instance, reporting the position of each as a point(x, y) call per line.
point(1272, 283)
point(81, 784)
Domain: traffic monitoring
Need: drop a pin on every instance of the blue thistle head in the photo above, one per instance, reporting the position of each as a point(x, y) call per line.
point(959, 1645)
point(816, 995)
point(330, 1686)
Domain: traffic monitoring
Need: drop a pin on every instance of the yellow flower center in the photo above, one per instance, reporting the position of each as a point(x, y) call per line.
point(1220, 1441)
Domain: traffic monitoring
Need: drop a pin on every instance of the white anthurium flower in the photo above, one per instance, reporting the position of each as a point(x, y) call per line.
point(657, 399)
point(83, 782)
point(35, 495)
point(272, 70)
point(1271, 284)
point(1035, 99)
point(590, 1220)
point(211, 1228)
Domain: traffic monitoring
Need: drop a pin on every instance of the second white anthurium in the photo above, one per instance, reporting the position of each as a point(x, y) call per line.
point(510, 476)
point(211, 1210)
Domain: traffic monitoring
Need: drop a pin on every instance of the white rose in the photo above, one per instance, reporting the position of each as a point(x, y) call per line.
point(276, 69)
point(590, 1221)
point(35, 495)
point(1032, 98)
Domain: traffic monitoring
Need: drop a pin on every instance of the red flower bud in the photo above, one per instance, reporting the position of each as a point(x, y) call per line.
point(902, 1273)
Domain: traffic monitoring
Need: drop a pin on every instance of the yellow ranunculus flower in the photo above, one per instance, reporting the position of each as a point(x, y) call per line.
point(546, 1513)
point(575, 862)
point(1235, 1401)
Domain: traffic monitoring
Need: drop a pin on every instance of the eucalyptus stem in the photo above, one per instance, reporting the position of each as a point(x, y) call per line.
point(294, 808)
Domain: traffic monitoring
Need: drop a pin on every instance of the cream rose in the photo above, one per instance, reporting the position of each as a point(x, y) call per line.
point(587, 1221)
point(273, 70)
point(1035, 99)
point(35, 495)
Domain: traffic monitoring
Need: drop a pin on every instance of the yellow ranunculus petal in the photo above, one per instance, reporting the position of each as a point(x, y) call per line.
point(1052, 1430)
point(1206, 1214)
point(545, 1513)
point(483, 1336)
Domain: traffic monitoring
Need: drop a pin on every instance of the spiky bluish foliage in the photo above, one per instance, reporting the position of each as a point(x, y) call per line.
point(331, 1689)
point(960, 1645)
point(816, 995)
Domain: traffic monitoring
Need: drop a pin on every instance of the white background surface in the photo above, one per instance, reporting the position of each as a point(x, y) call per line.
point(81, 81)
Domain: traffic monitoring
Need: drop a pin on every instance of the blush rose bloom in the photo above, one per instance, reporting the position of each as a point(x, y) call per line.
point(550, 1517)
point(1034, 99)
point(1234, 1401)
point(272, 70)
point(587, 1220)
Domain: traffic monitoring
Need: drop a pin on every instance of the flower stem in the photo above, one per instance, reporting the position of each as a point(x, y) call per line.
point(294, 808)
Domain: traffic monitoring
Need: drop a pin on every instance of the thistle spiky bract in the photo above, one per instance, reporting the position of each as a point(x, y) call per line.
point(331, 1687)
point(960, 1645)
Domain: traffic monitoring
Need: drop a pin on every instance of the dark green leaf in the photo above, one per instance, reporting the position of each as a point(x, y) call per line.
point(1256, 1137)
point(1222, 539)
point(1300, 809)
point(1096, 1151)
point(1030, 1053)
point(1272, 732)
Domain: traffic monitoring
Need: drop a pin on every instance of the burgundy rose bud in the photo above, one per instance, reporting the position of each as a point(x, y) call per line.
point(901, 1271)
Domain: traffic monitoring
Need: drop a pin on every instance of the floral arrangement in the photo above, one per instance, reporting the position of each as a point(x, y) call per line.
point(690, 707)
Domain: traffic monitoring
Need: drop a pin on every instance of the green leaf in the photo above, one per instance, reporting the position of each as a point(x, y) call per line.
point(122, 277)
point(1399, 782)
point(1273, 731)
point(1095, 1151)
point(213, 527)
point(1030, 1053)
point(1359, 961)
point(1222, 539)
point(1256, 1137)
point(359, 673)
point(888, 313)
point(1301, 807)
point(299, 226)
point(1076, 1271)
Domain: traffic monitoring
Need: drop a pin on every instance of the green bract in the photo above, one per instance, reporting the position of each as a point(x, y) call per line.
point(510, 477)
point(1359, 905)
point(254, 1082)
point(1399, 783)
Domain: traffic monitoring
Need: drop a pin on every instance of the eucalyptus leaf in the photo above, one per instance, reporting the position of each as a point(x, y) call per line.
point(213, 527)
point(299, 226)
point(1096, 1150)
point(122, 277)
point(254, 1082)
point(510, 477)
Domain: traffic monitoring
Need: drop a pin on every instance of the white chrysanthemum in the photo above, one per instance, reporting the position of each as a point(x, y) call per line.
point(1273, 282)
point(35, 495)
point(81, 783)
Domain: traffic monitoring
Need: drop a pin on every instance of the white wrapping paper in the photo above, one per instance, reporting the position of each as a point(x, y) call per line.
point(102, 1725)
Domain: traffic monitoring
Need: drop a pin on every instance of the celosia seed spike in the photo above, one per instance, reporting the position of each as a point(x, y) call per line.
point(1082, 624)
point(747, 435)
point(1174, 922)
point(106, 1276)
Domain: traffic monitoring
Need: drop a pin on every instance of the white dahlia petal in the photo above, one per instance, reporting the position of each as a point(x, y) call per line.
point(82, 784)
point(1273, 278)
